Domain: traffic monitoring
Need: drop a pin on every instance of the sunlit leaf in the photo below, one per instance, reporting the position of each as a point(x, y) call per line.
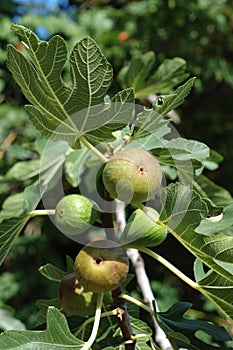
point(61, 111)
point(182, 212)
point(217, 223)
point(75, 165)
point(182, 153)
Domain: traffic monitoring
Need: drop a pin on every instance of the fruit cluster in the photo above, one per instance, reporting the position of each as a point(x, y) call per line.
point(133, 176)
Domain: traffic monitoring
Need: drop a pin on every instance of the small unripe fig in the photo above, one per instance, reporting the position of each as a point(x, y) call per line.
point(132, 175)
point(142, 229)
point(75, 213)
point(73, 299)
point(101, 266)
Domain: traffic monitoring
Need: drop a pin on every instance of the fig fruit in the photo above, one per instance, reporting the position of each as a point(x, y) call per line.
point(75, 213)
point(142, 229)
point(101, 266)
point(132, 175)
point(73, 299)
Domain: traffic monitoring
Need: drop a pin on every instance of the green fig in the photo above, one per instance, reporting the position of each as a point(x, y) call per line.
point(75, 213)
point(101, 266)
point(132, 175)
point(142, 229)
point(73, 299)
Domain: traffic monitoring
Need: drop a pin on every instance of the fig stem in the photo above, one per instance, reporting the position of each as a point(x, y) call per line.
point(171, 267)
point(107, 218)
point(114, 312)
point(124, 320)
point(95, 327)
point(93, 149)
point(42, 212)
point(136, 302)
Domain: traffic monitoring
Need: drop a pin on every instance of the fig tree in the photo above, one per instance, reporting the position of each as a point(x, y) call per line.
point(75, 213)
point(101, 266)
point(132, 175)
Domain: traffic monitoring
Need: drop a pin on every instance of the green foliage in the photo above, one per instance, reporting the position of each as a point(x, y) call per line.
point(57, 334)
point(173, 321)
point(55, 109)
point(139, 75)
point(75, 114)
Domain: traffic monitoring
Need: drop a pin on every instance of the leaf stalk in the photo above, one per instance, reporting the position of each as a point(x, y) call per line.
point(95, 328)
point(171, 267)
point(93, 149)
point(42, 212)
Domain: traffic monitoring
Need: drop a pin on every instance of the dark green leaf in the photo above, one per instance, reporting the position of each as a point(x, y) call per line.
point(52, 272)
point(138, 74)
point(173, 320)
point(216, 288)
point(9, 231)
point(207, 188)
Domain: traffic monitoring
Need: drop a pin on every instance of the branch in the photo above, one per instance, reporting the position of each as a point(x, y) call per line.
point(142, 279)
point(119, 304)
point(123, 319)
point(107, 219)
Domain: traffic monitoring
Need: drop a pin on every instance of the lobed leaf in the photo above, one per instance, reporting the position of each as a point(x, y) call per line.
point(218, 195)
point(140, 76)
point(218, 223)
point(56, 335)
point(152, 122)
point(67, 111)
point(183, 210)
point(174, 323)
point(216, 288)
point(183, 154)
point(174, 100)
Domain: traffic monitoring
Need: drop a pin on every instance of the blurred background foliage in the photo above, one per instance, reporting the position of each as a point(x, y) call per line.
point(199, 31)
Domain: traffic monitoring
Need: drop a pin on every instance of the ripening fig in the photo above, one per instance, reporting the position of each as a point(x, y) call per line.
point(75, 213)
point(132, 175)
point(73, 299)
point(101, 266)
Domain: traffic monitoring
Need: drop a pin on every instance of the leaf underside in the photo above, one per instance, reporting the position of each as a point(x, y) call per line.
point(67, 111)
